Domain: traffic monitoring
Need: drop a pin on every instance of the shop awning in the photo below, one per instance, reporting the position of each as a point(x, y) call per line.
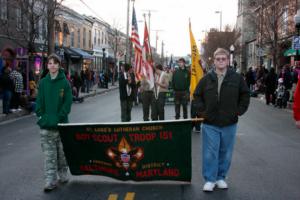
point(83, 54)
point(71, 54)
point(291, 52)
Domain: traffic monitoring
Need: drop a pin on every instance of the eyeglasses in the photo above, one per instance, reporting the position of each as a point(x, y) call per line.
point(221, 59)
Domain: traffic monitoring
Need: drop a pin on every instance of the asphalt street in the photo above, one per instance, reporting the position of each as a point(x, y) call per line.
point(266, 162)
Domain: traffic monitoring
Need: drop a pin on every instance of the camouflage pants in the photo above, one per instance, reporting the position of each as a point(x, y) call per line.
point(54, 157)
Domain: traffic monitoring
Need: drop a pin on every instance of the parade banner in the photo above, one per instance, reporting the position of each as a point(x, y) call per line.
point(129, 151)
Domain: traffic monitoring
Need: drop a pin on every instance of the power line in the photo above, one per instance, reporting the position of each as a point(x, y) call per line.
point(92, 10)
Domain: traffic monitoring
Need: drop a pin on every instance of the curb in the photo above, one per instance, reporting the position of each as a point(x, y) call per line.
point(94, 93)
point(23, 113)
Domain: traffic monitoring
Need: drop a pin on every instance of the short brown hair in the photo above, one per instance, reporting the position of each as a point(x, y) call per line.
point(221, 51)
point(55, 58)
point(181, 60)
point(160, 67)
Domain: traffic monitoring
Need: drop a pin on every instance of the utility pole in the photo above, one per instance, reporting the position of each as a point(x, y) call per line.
point(149, 21)
point(162, 52)
point(157, 38)
point(127, 33)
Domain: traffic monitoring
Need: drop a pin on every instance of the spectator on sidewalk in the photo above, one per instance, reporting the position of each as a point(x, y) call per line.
point(296, 106)
point(181, 86)
point(77, 83)
point(250, 79)
point(162, 85)
point(7, 87)
point(53, 105)
point(17, 78)
point(287, 77)
point(281, 94)
point(220, 98)
point(271, 84)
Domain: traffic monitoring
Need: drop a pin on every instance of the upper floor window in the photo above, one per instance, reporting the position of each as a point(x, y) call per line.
point(84, 37)
point(78, 38)
point(3, 9)
point(19, 18)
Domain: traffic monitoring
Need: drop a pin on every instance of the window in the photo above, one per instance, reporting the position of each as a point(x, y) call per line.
point(95, 37)
point(72, 35)
point(98, 38)
point(84, 38)
point(19, 19)
point(3, 9)
point(44, 28)
point(285, 18)
point(66, 32)
point(90, 39)
point(37, 29)
point(57, 26)
point(56, 38)
point(78, 38)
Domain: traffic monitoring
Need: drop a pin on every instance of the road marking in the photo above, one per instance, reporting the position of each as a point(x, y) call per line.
point(113, 197)
point(129, 196)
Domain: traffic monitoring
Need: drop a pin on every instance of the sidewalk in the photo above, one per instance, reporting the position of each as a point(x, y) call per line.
point(93, 92)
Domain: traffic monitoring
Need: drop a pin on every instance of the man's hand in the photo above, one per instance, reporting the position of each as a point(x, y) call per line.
point(297, 124)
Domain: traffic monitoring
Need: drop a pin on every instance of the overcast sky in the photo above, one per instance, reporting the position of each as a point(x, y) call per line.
point(171, 16)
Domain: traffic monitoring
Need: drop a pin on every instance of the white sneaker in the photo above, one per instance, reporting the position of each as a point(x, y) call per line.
point(19, 109)
point(209, 187)
point(13, 110)
point(221, 184)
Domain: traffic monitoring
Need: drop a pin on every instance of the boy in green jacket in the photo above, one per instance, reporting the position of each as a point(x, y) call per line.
point(53, 105)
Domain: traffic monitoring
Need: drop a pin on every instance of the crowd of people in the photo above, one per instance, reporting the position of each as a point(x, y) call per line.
point(13, 84)
point(278, 87)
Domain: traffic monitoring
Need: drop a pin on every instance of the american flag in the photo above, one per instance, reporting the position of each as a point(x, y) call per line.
point(138, 59)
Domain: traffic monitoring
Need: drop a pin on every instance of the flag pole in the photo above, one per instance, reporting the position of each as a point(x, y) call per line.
point(151, 60)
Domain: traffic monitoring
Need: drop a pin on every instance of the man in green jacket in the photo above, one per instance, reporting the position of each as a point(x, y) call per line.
point(53, 105)
point(220, 98)
point(181, 85)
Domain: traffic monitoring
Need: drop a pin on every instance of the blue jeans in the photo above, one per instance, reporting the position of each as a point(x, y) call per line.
point(7, 95)
point(217, 151)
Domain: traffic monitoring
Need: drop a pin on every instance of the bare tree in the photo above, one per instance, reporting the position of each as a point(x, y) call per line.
point(216, 39)
point(272, 19)
point(24, 28)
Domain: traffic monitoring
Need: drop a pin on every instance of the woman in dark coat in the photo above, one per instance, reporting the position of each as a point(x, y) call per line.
point(271, 84)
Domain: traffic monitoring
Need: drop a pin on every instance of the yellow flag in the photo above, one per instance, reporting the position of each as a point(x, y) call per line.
point(196, 68)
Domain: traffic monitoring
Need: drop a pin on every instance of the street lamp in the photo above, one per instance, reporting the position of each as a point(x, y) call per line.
point(220, 12)
point(231, 55)
point(297, 26)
